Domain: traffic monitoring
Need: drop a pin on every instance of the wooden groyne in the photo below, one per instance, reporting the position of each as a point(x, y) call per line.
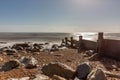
point(105, 47)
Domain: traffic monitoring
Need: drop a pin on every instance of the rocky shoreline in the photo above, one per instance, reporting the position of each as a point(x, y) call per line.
point(28, 61)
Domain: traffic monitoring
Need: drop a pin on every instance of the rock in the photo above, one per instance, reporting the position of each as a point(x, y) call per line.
point(83, 70)
point(10, 51)
point(47, 43)
point(29, 62)
point(56, 77)
point(21, 45)
point(19, 48)
point(35, 49)
point(85, 55)
point(4, 48)
point(24, 78)
point(68, 60)
point(38, 45)
point(46, 48)
point(62, 48)
point(10, 65)
point(114, 67)
point(97, 75)
point(29, 49)
point(34, 53)
point(89, 52)
point(58, 69)
point(1, 59)
point(41, 77)
point(54, 47)
point(62, 45)
point(76, 78)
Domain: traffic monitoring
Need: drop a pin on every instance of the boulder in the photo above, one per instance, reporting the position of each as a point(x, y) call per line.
point(97, 75)
point(21, 45)
point(55, 47)
point(83, 70)
point(41, 77)
point(29, 62)
point(23, 78)
point(10, 51)
point(58, 69)
point(10, 65)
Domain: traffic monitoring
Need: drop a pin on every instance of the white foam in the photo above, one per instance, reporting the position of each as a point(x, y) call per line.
point(86, 35)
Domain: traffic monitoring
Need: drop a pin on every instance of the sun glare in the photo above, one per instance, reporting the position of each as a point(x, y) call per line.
point(85, 3)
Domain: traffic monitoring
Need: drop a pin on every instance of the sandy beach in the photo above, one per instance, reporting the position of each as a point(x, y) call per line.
point(69, 57)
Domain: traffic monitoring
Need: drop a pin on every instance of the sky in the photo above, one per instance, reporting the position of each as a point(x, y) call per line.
point(59, 15)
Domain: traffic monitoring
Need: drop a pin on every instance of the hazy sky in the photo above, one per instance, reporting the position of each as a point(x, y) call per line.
point(59, 15)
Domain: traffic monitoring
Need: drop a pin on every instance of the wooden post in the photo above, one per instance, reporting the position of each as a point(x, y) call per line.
point(66, 41)
point(63, 41)
point(100, 43)
point(80, 46)
point(71, 41)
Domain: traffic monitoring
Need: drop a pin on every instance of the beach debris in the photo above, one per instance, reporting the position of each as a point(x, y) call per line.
point(97, 75)
point(56, 77)
point(10, 65)
point(59, 69)
point(29, 62)
point(41, 77)
point(83, 70)
point(23, 78)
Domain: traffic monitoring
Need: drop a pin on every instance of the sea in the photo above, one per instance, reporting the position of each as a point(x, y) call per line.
point(8, 38)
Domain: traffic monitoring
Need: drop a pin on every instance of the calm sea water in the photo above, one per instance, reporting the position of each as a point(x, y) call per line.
point(51, 37)
point(33, 37)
